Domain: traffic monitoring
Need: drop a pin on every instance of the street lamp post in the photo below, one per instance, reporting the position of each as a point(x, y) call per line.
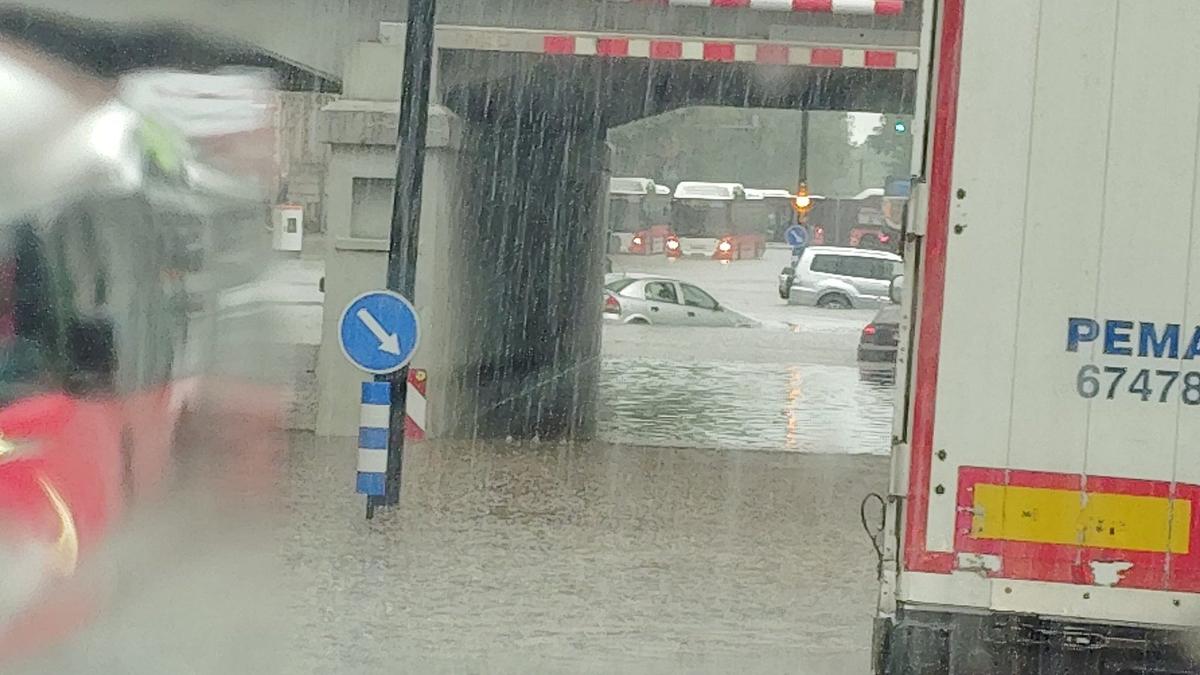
point(406, 211)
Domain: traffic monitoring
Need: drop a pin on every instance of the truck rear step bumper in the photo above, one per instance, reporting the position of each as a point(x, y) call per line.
point(922, 642)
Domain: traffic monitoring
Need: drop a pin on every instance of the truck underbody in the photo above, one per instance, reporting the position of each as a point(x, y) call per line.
point(919, 641)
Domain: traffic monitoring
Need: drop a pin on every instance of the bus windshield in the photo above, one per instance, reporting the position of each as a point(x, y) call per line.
point(701, 218)
point(624, 214)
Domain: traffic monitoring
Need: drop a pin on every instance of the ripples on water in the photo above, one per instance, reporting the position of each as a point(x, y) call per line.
point(744, 406)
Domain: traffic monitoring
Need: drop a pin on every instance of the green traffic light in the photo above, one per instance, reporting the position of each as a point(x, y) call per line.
point(900, 126)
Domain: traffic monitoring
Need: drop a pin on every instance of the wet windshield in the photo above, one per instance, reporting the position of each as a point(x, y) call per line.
point(342, 384)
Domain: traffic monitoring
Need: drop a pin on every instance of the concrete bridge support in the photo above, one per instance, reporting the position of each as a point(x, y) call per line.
point(534, 223)
point(358, 202)
point(511, 256)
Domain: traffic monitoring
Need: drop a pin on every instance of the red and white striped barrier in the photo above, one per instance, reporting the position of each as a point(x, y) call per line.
point(415, 406)
point(665, 48)
point(877, 7)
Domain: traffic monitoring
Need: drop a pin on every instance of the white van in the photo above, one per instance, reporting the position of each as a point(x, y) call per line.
point(840, 278)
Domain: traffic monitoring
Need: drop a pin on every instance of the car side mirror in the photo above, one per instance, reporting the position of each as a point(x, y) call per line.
point(896, 289)
point(93, 349)
point(788, 269)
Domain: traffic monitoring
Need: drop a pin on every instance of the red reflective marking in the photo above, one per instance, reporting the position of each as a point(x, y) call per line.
point(772, 54)
point(558, 44)
point(933, 287)
point(413, 432)
point(878, 59)
point(718, 51)
point(889, 7)
point(812, 5)
point(665, 49)
point(612, 47)
point(1073, 564)
point(826, 57)
point(418, 379)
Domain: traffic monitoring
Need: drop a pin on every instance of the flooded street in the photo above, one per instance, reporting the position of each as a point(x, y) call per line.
point(743, 406)
point(791, 384)
point(587, 558)
point(713, 528)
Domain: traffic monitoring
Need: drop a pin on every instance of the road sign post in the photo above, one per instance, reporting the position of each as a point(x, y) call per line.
point(796, 237)
point(378, 332)
point(406, 211)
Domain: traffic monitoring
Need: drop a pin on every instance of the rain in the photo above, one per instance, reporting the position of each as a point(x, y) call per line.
point(600, 480)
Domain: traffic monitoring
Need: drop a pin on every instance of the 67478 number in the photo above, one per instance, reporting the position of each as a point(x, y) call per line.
point(1156, 385)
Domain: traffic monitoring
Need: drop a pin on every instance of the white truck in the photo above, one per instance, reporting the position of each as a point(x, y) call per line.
point(1044, 511)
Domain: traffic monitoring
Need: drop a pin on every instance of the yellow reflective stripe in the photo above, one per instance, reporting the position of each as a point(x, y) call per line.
point(1096, 520)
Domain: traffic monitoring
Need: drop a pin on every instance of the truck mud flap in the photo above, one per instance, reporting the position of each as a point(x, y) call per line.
point(953, 643)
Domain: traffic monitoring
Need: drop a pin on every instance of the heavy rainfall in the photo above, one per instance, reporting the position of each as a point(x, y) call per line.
point(656, 279)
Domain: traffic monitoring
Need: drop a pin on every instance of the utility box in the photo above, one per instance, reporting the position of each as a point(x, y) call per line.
point(287, 227)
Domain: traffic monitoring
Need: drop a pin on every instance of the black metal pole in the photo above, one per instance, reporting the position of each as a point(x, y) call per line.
point(406, 207)
point(803, 179)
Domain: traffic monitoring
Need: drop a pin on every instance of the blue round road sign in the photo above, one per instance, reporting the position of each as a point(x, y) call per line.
point(796, 236)
point(379, 332)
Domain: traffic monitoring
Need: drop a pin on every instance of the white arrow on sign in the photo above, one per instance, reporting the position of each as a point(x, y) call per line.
point(388, 342)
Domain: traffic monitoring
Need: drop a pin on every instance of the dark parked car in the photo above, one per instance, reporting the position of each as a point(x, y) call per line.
point(878, 343)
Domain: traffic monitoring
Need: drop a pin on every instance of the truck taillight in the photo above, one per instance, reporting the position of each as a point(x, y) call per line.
point(725, 246)
point(637, 240)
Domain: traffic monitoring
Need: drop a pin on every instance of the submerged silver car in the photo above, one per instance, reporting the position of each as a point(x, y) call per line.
point(840, 278)
point(646, 299)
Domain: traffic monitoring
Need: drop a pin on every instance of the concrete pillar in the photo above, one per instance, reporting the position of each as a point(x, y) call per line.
point(358, 205)
point(511, 252)
point(536, 255)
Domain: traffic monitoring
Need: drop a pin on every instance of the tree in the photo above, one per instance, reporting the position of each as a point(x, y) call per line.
point(756, 147)
point(891, 146)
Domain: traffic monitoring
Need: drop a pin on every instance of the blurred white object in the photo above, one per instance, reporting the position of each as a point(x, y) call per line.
point(287, 227)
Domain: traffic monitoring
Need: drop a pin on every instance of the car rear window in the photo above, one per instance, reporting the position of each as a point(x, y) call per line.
point(862, 267)
point(888, 314)
point(619, 285)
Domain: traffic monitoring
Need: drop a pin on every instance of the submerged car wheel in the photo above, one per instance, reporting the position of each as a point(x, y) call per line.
point(834, 301)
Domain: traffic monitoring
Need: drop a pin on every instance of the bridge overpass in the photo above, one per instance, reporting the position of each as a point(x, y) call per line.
point(317, 34)
point(512, 234)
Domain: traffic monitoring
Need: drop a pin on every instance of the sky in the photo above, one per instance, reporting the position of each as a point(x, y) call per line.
point(861, 126)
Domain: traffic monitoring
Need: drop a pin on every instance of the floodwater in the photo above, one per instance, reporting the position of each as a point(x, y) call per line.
point(517, 558)
point(713, 528)
point(743, 406)
point(791, 384)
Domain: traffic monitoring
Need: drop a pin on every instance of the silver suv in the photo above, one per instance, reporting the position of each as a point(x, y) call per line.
point(840, 278)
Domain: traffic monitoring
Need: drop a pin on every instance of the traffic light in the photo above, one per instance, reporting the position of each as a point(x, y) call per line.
point(802, 203)
point(901, 126)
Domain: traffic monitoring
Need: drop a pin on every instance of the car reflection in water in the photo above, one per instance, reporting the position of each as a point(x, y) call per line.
point(658, 300)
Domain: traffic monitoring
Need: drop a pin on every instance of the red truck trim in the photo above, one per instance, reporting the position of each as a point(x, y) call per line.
point(916, 556)
point(1172, 567)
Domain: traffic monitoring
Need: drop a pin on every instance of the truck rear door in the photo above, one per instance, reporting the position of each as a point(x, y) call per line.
point(1052, 465)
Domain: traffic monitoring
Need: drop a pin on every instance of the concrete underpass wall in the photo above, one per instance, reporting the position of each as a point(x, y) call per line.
point(358, 205)
point(534, 224)
point(511, 251)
